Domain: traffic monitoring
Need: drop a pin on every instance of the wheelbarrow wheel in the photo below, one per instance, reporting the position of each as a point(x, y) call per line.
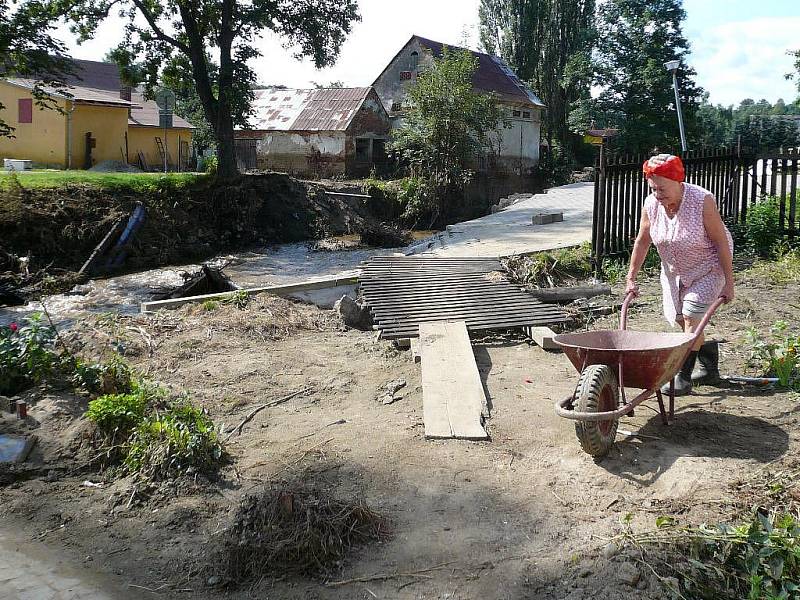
point(597, 392)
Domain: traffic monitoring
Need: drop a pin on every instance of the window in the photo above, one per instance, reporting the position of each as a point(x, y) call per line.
point(414, 59)
point(396, 106)
point(526, 115)
point(515, 113)
point(405, 75)
point(25, 106)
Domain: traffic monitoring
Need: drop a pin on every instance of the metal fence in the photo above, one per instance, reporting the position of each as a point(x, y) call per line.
point(736, 179)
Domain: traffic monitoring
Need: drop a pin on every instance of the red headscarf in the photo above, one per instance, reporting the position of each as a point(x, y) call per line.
point(665, 165)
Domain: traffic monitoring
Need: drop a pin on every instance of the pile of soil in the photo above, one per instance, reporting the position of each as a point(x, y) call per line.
point(524, 515)
point(59, 228)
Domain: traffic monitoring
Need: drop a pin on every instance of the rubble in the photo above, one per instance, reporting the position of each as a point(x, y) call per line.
point(353, 314)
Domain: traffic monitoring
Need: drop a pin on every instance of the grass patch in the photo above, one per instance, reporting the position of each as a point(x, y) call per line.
point(294, 530)
point(112, 182)
point(782, 270)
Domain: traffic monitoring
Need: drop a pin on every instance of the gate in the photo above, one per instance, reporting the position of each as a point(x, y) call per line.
point(245, 150)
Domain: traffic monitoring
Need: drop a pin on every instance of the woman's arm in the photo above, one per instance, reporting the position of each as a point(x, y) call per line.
point(716, 231)
point(640, 248)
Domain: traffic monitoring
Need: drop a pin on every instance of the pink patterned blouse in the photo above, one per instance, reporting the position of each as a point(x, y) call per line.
point(690, 265)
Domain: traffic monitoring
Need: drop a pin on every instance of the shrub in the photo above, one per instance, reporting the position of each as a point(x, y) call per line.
point(117, 413)
point(26, 354)
point(553, 267)
point(112, 377)
point(165, 444)
point(763, 231)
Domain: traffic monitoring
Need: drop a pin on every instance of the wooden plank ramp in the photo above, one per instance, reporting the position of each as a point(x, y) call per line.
point(452, 392)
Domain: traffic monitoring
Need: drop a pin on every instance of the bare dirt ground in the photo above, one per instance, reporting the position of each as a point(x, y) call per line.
point(525, 515)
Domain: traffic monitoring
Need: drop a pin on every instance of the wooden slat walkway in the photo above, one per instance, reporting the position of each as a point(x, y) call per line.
point(452, 393)
point(404, 292)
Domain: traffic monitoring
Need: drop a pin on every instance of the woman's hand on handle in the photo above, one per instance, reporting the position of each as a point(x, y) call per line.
point(631, 287)
point(727, 292)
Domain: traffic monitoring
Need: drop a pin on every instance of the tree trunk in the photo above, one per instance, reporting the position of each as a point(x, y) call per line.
point(226, 151)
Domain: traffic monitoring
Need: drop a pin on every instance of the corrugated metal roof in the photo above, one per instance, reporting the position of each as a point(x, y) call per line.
point(492, 75)
point(325, 109)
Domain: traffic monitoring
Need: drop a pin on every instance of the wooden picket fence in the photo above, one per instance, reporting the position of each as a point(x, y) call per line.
point(736, 178)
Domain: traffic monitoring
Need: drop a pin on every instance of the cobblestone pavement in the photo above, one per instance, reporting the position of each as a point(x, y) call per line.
point(31, 571)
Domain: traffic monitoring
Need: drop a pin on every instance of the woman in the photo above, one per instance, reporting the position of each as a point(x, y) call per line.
point(696, 251)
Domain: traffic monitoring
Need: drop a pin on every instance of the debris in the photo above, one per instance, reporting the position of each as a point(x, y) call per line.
point(543, 337)
point(381, 235)
point(547, 218)
point(205, 281)
point(353, 314)
point(294, 529)
point(628, 574)
point(15, 448)
point(91, 484)
point(389, 395)
point(258, 409)
point(568, 294)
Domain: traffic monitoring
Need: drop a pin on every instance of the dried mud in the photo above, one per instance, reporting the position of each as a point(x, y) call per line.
point(525, 515)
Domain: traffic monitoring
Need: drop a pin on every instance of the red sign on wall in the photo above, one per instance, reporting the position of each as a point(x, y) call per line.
point(405, 75)
point(25, 106)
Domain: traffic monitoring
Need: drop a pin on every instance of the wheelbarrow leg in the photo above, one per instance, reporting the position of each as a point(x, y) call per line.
point(672, 399)
point(661, 407)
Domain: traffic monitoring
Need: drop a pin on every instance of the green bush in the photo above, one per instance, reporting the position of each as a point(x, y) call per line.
point(168, 443)
point(763, 231)
point(778, 356)
point(27, 354)
point(112, 377)
point(553, 267)
point(115, 413)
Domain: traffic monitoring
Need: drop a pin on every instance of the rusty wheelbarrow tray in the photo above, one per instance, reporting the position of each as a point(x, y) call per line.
point(611, 360)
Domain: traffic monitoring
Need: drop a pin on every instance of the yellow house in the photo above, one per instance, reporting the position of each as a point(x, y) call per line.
point(100, 120)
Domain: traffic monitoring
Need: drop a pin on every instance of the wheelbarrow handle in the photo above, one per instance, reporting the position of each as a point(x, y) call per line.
point(623, 318)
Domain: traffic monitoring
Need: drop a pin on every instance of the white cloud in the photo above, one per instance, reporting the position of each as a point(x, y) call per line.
point(746, 59)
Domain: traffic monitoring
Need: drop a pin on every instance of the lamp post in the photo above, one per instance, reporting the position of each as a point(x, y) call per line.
point(672, 67)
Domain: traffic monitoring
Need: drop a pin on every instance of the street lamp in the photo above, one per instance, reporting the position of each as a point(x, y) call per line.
point(672, 67)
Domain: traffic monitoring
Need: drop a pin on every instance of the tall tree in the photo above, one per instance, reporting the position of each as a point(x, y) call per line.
point(637, 37)
point(29, 51)
point(447, 126)
point(549, 44)
point(795, 76)
point(190, 31)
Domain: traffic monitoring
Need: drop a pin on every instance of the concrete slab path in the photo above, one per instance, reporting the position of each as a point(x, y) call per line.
point(511, 231)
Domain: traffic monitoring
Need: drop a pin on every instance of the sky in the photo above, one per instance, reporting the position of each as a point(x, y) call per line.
point(738, 47)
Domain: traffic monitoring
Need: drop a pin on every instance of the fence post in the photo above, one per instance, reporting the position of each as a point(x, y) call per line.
point(598, 216)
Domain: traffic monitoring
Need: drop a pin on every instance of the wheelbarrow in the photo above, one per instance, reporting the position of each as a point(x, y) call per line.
point(611, 360)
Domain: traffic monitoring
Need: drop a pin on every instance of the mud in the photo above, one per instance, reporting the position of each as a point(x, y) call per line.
point(524, 515)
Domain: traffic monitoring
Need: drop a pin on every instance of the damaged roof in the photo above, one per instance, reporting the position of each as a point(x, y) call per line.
point(324, 109)
point(80, 94)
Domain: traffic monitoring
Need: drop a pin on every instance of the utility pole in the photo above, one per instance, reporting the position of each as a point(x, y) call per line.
point(672, 67)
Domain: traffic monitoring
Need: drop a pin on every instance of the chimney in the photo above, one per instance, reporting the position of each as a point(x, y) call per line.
point(125, 93)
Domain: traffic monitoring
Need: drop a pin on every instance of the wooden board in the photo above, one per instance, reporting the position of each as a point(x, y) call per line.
point(543, 336)
point(452, 392)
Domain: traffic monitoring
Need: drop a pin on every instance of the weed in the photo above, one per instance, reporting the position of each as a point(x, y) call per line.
point(131, 183)
point(782, 270)
point(551, 268)
point(240, 299)
point(166, 443)
point(778, 355)
point(210, 305)
point(27, 354)
point(763, 230)
point(117, 413)
point(111, 377)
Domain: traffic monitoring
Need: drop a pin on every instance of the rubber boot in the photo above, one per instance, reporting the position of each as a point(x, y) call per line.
point(683, 380)
point(707, 370)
